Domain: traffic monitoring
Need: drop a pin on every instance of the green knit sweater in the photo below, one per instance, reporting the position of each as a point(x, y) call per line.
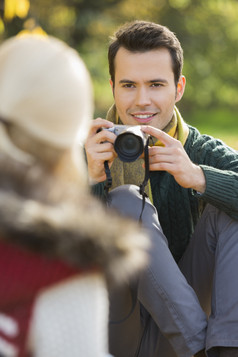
point(178, 208)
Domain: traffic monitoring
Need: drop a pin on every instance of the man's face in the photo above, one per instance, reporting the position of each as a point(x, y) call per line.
point(144, 88)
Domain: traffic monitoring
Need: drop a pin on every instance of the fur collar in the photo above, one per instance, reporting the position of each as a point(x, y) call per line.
point(79, 231)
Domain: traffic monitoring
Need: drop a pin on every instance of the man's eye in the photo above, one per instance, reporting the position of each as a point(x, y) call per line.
point(156, 85)
point(128, 85)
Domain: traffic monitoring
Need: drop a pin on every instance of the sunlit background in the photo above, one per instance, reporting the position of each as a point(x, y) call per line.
point(207, 30)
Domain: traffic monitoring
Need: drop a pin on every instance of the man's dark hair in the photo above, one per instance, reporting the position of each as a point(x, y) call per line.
point(142, 36)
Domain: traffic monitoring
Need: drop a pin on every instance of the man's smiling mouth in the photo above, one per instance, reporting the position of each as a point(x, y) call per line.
point(143, 117)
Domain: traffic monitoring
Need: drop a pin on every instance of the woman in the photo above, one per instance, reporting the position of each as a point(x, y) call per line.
point(59, 247)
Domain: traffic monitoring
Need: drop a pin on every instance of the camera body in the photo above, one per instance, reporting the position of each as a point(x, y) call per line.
point(130, 141)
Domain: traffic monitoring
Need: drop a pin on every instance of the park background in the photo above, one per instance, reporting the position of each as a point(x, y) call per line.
point(207, 30)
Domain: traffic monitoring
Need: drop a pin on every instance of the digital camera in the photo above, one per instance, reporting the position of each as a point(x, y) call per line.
point(130, 141)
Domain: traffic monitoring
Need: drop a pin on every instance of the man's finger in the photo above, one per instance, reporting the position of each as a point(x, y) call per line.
point(165, 139)
point(100, 123)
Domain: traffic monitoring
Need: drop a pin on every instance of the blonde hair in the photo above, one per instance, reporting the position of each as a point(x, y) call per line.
point(46, 92)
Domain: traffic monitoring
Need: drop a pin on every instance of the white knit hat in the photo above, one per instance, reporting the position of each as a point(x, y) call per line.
point(45, 88)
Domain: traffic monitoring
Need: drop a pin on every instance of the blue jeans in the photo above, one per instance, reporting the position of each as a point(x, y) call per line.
point(177, 310)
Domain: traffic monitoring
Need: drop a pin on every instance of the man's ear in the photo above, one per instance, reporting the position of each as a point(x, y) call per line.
point(180, 88)
point(112, 86)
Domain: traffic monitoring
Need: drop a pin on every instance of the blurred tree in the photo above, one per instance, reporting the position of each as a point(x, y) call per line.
point(9, 9)
point(14, 8)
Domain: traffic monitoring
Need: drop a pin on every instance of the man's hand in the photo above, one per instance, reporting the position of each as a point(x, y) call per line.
point(99, 148)
point(172, 158)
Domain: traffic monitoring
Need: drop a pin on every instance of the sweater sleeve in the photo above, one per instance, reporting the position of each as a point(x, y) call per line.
point(70, 319)
point(220, 167)
point(221, 189)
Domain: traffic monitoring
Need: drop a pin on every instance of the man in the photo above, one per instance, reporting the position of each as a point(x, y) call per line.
point(186, 302)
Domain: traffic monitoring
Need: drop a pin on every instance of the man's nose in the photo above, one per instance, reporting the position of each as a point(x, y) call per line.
point(143, 97)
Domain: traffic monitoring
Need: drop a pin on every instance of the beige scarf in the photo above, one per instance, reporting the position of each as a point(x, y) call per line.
point(133, 172)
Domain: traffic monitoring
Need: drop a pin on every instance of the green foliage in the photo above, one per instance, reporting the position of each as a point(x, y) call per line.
point(219, 123)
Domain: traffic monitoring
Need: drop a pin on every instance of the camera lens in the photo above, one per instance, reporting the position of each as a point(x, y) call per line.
point(128, 147)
